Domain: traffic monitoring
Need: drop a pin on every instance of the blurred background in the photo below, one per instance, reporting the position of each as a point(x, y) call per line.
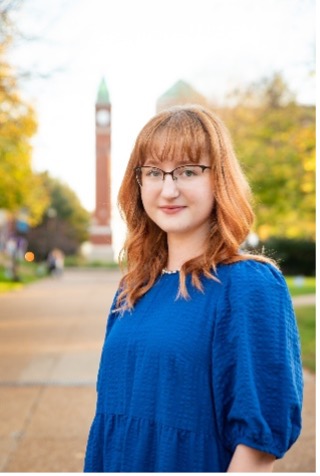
point(252, 61)
point(64, 62)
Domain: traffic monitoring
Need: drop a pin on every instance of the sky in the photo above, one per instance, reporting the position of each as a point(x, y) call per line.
point(141, 48)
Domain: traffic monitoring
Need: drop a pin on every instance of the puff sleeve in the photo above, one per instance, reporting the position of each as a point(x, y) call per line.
point(256, 364)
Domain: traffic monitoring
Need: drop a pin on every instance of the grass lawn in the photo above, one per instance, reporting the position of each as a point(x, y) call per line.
point(306, 317)
point(9, 286)
point(308, 286)
point(28, 272)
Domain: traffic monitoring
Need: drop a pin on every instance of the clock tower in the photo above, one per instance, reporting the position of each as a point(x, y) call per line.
point(100, 231)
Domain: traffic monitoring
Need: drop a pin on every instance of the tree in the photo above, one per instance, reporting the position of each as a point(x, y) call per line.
point(274, 139)
point(20, 187)
point(65, 224)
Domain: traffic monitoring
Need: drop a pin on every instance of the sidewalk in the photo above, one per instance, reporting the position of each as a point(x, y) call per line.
point(304, 300)
point(51, 334)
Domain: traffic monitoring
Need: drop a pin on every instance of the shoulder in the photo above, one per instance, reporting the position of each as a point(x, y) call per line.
point(251, 272)
point(255, 297)
point(253, 282)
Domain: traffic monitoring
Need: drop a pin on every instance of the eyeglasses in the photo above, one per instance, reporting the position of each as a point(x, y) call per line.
point(149, 175)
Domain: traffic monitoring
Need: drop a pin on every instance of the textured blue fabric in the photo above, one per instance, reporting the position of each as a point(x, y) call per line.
point(182, 382)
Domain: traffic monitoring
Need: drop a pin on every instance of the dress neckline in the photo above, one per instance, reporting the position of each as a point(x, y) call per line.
point(168, 271)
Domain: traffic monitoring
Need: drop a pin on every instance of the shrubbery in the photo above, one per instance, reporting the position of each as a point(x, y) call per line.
point(295, 256)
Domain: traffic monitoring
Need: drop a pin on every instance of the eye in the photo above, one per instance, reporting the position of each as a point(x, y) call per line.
point(188, 171)
point(153, 173)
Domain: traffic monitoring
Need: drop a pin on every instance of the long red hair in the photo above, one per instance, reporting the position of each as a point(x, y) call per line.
point(173, 135)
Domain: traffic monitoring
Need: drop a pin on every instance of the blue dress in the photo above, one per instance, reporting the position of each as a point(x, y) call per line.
point(182, 382)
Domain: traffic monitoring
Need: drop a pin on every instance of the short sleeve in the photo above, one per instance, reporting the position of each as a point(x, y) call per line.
point(256, 362)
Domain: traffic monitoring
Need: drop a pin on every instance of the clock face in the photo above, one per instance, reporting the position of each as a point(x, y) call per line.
point(103, 117)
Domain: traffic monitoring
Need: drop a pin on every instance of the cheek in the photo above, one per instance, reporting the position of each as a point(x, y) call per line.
point(147, 198)
point(207, 200)
point(206, 196)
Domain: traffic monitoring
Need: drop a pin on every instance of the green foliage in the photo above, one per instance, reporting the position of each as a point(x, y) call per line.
point(295, 257)
point(65, 224)
point(274, 139)
point(306, 318)
point(68, 207)
point(20, 187)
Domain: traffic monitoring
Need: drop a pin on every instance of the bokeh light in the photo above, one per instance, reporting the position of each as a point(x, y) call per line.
point(29, 256)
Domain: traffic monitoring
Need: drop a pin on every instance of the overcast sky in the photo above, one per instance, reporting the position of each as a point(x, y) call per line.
point(142, 47)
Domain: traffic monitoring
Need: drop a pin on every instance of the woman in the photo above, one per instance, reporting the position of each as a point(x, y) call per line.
point(200, 370)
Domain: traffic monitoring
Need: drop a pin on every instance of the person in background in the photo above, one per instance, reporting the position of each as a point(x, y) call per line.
point(55, 262)
point(200, 369)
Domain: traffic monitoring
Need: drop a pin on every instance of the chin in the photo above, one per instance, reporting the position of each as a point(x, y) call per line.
point(173, 230)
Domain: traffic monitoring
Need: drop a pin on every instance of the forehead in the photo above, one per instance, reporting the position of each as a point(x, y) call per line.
point(178, 140)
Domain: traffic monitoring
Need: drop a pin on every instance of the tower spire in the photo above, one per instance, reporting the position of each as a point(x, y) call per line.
point(103, 93)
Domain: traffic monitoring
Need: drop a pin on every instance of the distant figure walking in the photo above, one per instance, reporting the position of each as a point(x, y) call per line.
point(55, 262)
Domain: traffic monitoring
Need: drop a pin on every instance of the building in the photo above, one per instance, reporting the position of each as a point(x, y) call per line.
point(100, 230)
point(180, 93)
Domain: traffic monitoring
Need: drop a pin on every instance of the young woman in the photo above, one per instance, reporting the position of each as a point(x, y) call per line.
point(200, 369)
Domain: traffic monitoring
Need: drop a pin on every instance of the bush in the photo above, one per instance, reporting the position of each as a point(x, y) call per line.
point(295, 257)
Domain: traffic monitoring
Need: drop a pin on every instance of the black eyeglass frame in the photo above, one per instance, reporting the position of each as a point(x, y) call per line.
point(138, 169)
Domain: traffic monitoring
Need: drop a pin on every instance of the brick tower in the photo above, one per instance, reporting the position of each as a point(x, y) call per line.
point(100, 231)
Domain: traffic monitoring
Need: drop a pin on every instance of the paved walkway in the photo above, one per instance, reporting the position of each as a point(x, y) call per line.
point(51, 334)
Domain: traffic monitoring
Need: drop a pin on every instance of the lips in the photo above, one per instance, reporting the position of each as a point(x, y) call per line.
point(171, 209)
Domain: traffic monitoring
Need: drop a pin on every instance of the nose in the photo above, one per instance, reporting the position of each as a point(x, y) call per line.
point(169, 187)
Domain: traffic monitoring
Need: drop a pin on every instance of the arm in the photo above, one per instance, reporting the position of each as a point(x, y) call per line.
point(256, 363)
point(249, 460)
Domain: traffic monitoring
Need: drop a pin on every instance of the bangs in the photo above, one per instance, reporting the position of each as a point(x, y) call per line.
point(179, 138)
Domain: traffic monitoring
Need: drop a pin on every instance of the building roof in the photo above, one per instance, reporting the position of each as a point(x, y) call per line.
point(180, 93)
point(103, 93)
point(180, 88)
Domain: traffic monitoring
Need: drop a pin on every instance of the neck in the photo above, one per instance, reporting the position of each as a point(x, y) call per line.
point(181, 250)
